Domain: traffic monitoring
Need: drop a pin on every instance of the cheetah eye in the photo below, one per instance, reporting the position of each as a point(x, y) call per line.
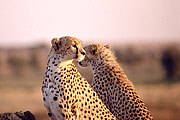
point(93, 52)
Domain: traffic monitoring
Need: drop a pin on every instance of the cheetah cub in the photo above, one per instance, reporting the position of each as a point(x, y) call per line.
point(112, 85)
point(66, 94)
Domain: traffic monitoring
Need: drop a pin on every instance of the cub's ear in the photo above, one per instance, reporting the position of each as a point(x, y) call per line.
point(55, 43)
point(108, 46)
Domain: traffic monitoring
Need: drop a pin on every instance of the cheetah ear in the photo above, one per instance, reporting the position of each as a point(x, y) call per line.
point(108, 46)
point(56, 43)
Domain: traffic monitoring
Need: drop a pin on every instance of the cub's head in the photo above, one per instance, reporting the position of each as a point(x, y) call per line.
point(95, 54)
point(68, 48)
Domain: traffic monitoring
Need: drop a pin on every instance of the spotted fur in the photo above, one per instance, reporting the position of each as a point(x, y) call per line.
point(66, 94)
point(112, 85)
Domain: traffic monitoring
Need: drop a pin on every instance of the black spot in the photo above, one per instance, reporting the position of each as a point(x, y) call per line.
point(63, 115)
point(60, 106)
point(73, 107)
point(62, 89)
point(55, 98)
point(67, 97)
point(65, 105)
point(137, 118)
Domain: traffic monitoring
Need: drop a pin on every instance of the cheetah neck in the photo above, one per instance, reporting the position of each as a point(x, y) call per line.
point(111, 69)
point(55, 63)
point(65, 63)
point(104, 65)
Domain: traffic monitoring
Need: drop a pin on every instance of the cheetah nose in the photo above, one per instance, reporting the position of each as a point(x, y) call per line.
point(83, 53)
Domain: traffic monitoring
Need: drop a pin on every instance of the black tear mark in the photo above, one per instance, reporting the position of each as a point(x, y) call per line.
point(76, 51)
point(57, 46)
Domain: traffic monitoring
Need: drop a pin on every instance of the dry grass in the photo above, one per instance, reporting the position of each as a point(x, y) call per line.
point(19, 100)
point(163, 100)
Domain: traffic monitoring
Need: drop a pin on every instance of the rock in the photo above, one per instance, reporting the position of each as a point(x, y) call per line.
point(17, 116)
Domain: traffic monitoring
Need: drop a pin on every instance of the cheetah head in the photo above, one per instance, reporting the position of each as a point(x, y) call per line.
point(68, 48)
point(94, 54)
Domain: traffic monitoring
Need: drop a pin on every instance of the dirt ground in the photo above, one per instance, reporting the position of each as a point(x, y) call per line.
point(163, 101)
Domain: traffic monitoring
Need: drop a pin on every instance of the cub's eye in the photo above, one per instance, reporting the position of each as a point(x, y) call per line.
point(93, 52)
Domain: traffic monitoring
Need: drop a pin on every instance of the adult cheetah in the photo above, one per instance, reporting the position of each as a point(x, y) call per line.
point(112, 85)
point(66, 94)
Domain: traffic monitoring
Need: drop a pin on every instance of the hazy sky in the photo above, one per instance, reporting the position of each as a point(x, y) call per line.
point(29, 21)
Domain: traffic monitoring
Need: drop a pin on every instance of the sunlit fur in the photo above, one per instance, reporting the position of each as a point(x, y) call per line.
point(67, 94)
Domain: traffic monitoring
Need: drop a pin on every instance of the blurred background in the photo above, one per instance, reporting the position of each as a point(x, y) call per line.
point(145, 36)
